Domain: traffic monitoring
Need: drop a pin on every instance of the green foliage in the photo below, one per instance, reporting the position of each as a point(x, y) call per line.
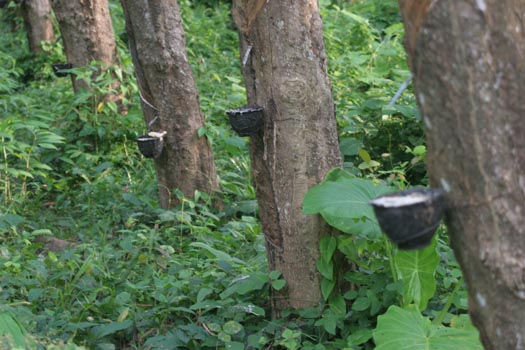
point(367, 64)
point(406, 329)
point(417, 268)
point(343, 203)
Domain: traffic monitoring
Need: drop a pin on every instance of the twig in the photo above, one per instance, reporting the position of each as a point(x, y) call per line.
point(146, 102)
point(402, 88)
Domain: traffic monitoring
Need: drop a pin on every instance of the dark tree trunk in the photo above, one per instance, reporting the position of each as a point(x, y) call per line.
point(286, 74)
point(158, 48)
point(468, 58)
point(39, 23)
point(87, 34)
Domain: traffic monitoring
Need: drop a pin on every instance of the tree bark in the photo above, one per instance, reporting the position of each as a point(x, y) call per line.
point(286, 74)
point(38, 22)
point(468, 58)
point(87, 34)
point(158, 48)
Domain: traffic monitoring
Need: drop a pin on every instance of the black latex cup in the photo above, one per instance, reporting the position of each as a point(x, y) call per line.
point(150, 147)
point(246, 121)
point(58, 69)
point(410, 218)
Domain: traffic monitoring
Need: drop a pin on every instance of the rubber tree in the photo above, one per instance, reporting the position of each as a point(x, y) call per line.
point(285, 70)
point(158, 49)
point(38, 21)
point(87, 35)
point(468, 60)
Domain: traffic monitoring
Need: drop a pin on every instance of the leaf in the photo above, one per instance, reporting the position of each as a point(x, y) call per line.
point(359, 337)
point(220, 255)
point(364, 155)
point(234, 345)
point(338, 305)
point(328, 246)
point(275, 274)
point(416, 268)
point(10, 327)
point(101, 167)
point(107, 329)
point(11, 219)
point(344, 204)
point(327, 286)
point(407, 329)
point(329, 321)
point(246, 285)
point(326, 268)
point(350, 146)
point(232, 327)
point(361, 304)
point(203, 293)
point(278, 284)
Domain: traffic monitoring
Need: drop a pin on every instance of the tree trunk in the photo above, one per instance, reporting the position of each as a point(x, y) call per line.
point(468, 58)
point(38, 22)
point(87, 34)
point(158, 48)
point(286, 73)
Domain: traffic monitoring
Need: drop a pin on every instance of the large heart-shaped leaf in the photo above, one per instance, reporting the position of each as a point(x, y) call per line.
point(417, 268)
point(407, 329)
point(344, 204)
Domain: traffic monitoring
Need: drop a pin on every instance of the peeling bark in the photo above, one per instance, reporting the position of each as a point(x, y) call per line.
point(468, 58)
point(286, 74)
point(38, 22)
point(158, 49)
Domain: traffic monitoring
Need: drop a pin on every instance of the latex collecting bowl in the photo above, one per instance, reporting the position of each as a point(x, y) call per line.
point(410, 218)
point(247, 120)
point(58, 69)
point(150, 146)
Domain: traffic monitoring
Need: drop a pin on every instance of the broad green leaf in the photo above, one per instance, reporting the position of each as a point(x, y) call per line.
point(232, 327)
point(203, 293)
point(225, 337)
point(107, 329)
point(364, 155)
point(220, 255)
point(369, 165)
point(350, 146)
point(11, 219)
point(328, 246)
point(275, 274)
point(9, 327)
point(246, 284)
point(326, 268)
point(338, 305)
point(234, 345)
point(344, 204)
point(361, 304)
point(359, 337)
point(327, 286)
point(407, 329)
point(337, 174)
point(278, 284)
point(416, 268)
point(328, 321)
